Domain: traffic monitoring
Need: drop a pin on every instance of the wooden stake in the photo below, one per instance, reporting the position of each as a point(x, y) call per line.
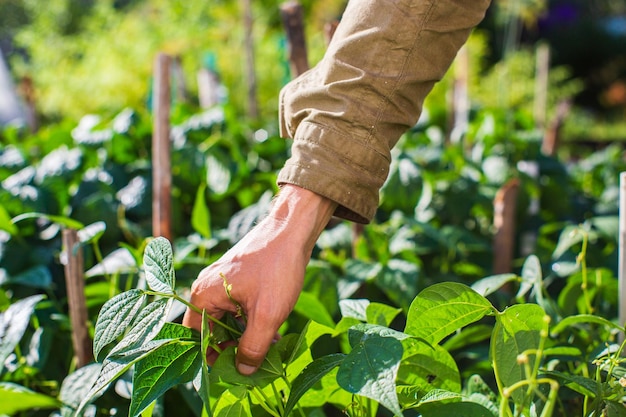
point(621, 269)
point(161, 163)
point(253, 106)
point(75, 283)
point(292, 16)
point(504, 205)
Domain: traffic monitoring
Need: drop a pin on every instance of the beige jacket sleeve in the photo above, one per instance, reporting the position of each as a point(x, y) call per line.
point(346, 113)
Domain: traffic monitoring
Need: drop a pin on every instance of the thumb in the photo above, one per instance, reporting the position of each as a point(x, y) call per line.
point(254, 344)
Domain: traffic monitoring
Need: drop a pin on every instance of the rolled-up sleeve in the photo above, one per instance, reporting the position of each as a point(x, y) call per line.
point(345, 114)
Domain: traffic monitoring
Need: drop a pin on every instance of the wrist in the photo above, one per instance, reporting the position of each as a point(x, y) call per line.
point(307, 213)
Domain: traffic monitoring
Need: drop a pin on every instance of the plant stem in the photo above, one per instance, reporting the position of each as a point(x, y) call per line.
point(264, 401)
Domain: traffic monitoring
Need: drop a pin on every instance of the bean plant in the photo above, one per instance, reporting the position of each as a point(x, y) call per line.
point(400, 371)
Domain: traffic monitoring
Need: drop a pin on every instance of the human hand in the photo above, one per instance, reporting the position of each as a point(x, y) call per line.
point(265, 271)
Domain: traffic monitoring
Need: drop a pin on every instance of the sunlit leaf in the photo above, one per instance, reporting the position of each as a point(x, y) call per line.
point(158, 266)
point(115, 366)
point(13, 323)
point(270, 370)
point(381, 314)
point(354, 308)
point(200, 214)
point(232, 403)
point(443, 308)
point(491, 284)
point(145, 327)
point(517, 331)
point(92, 232)
point(114, 319)
point(167, 366)
point(311, 308)
point(76, 385)
point(15, 398)
point(64, 221)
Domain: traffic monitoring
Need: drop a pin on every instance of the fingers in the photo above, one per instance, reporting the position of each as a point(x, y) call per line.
point(254, 343)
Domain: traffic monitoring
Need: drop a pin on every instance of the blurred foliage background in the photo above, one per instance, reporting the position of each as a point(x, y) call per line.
point(96, 56)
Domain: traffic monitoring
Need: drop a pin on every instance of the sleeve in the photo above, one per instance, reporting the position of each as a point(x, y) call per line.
point(345, 114)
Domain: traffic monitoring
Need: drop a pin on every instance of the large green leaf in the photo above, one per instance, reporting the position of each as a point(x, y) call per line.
point(425, 367)
point(146, 325)
point(159, 266)
point(517, 331)
point(370, 369)
point(165, 367)
point(443, 308)
point(16, 398)
point(13, 324)
point(115, 366)
point(313, 373)
point(115, 317)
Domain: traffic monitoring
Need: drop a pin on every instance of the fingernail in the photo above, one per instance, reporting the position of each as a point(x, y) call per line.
point(245, 369)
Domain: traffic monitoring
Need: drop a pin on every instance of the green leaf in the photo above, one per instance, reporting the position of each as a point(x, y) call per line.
point(531, 277)
point(425, 367)
point(398, 280)
point(458, 409)
point(583, 319)
point(517, 331)
point(570, 236)
point(493, 283)
point(200, 214)
point(582, 385)
point(313, 373)
point(63, 221)
point(310, 307)
point(467, 336)
point(146, 325)
point(115, 317)
point(159, 266)
point(115, 366)
point(92, 233)
point(201, 381)
point(15, 398)
point(36, 277)
point(13, 323)
point(232, 403)
point(165, 367)
point(356, 309)
point(270, 370)
point(381, 314)
point(76, 385)
point(443, 308)
point(371, 368)
point(218, 176)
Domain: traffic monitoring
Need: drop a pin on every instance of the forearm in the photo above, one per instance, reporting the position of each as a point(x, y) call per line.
point(304, 213)
point(347, 113)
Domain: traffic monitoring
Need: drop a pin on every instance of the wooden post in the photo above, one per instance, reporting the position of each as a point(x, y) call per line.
point(253, 106)
point(161, 164)
point(504, 205)
point(551, 137)
point(292, 16)
point(75, 283)
point(621, 269)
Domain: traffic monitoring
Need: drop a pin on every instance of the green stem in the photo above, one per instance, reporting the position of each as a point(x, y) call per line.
point(195, 309)
point(582, 258)
point(264, 401)
point(279, 400)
